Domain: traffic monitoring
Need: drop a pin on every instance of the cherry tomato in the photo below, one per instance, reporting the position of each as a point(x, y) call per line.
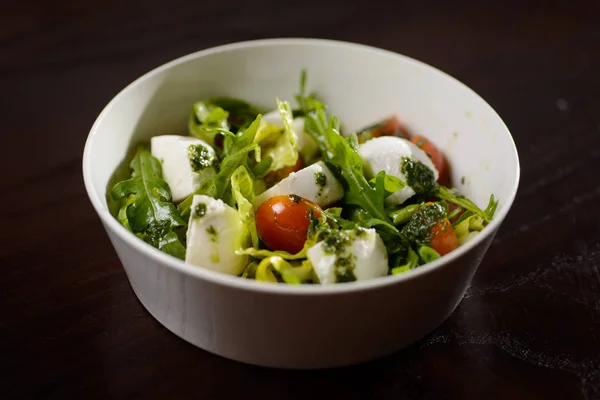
point(275, 176)
point(391, 127)
point(437, 157)
point(443, 237)
point(282, 222)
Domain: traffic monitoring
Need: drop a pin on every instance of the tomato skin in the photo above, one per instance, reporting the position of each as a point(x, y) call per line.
point(282, 222)
point(391, 127)
point(275, 176)
point(443, 237)
point(437, 157)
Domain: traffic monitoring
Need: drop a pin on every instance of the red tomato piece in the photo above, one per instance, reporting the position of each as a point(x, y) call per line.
point(437, 157)
point(443, 237)
point(391, 127)
point(282, 222)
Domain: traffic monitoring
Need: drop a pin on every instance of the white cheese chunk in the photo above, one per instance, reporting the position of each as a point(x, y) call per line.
point(385, 154)
point(315, 183)
point(186, 162)
point(351, 255)
point(307, 146)
point(212, 232)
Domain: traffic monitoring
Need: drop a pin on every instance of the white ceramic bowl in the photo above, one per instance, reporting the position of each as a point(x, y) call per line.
point(309, 326)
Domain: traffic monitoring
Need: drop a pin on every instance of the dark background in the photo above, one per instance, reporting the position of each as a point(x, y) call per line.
point(70, 325)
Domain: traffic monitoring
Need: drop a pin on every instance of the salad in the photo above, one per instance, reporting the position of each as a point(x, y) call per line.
point(289, 196)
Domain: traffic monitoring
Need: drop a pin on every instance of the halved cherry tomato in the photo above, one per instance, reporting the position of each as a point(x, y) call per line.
point(437, 157)
point(282, 222)
point(391, 127)
point(443, 237)
point(275, 176)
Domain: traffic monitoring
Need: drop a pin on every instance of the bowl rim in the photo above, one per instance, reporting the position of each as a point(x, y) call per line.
point(237, 282)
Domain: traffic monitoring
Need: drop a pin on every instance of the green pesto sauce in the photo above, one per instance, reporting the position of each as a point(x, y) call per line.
point(213, 233)
point(200, 210)
point(344, 268)
point(296, 199)
point(418, 176)
point(418, 227)
point(320, 178)
point(200, 157)
point(336, 242)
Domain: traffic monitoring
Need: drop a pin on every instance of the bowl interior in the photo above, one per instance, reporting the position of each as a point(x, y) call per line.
point(360, 84)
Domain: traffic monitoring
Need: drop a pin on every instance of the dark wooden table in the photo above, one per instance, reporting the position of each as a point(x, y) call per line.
point(70, 325)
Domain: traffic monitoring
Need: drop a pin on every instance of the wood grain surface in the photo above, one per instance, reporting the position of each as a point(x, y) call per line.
point(70, 325)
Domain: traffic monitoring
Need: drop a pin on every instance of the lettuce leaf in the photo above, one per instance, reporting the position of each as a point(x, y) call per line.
point(268, 269)
point(265, 253)
point(427, 254)
point(148, 211)
point(468, 228)
point(285, 150)
point(243, 194)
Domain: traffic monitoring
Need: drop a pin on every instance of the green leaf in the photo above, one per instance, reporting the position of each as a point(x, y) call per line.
point(236, 154)
point(264, 253)
point(122, 214)
point(448, 195)
point(391, 183)
point(270, 268)
point(412, 261)
point(268, 134)
point(467, 228)
point(243, 194)
point(343, 158)
point(206, 120)
point(402, 215)
point(307, 103)
point(241, 113)
point(261, 169)
point(149, 212)
point(428, 254)
point(264, 271)
point(170, 244)
point(492, 206)
point(285, 150)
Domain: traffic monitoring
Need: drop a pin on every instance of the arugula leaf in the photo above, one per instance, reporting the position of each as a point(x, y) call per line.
point(241, 113)
point(391, 183)
point(307, 103)
point(148, 211)
point(450, 196)
point(206, 120)
point(236, 153)
point(345, 161)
